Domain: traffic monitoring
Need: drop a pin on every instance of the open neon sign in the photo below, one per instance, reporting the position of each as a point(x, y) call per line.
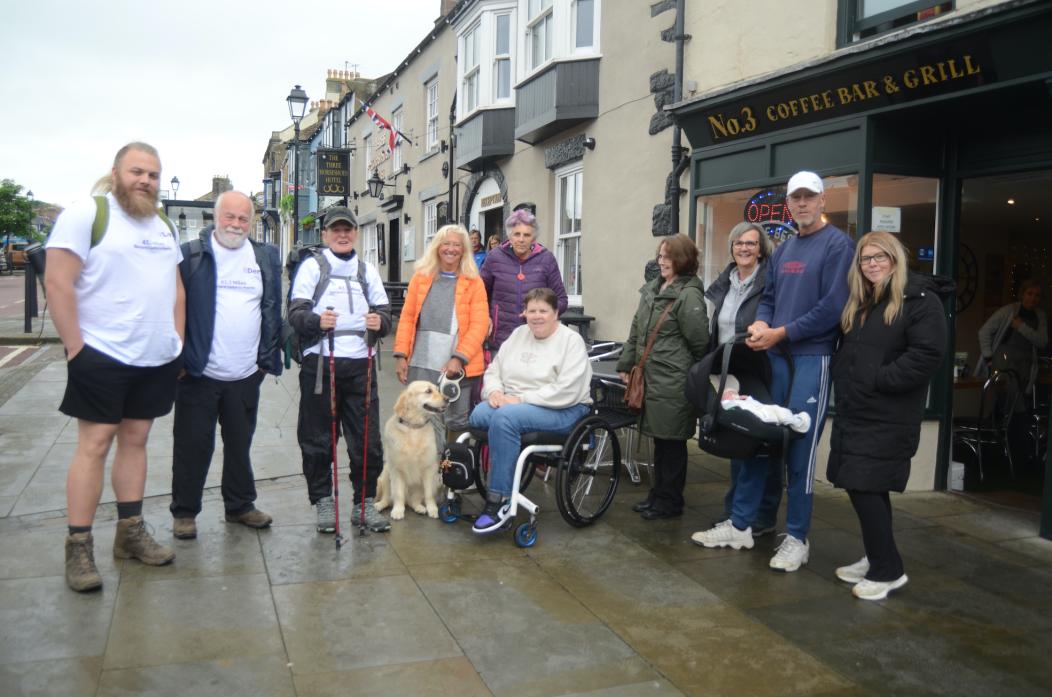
point(768, 208)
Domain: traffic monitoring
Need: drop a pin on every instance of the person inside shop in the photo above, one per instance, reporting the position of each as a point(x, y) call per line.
point(477, 251)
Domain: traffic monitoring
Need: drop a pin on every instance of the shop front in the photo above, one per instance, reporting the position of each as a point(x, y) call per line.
point(941, 136)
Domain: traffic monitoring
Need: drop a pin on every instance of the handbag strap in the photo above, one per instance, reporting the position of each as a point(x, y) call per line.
point(654, 331)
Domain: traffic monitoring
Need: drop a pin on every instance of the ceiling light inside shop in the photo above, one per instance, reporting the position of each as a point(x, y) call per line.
point(1011, 202)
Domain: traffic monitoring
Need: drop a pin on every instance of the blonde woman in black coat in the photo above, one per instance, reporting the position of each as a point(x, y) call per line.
point(894, 339)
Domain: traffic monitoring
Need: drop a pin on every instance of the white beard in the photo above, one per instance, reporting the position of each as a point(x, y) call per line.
point(231, 238)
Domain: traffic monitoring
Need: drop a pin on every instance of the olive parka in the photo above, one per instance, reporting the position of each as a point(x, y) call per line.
point(680, 343)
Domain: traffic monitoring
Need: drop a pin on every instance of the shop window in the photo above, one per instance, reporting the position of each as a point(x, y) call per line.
point(906, 206)
point(859, 20)
point(568, 195)
point(716, 214)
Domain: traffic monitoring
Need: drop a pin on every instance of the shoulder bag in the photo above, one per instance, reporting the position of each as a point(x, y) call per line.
point(636, 387)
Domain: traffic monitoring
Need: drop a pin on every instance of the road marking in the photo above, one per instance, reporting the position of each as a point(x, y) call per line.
point(8, 357)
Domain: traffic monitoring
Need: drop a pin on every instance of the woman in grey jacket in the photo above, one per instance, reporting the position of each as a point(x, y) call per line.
point(735, 295)
point(1011, 338)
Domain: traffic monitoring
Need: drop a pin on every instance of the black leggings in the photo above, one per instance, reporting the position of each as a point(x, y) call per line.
point(874, 515)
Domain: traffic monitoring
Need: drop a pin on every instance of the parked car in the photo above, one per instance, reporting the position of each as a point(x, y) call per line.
point(16, 255)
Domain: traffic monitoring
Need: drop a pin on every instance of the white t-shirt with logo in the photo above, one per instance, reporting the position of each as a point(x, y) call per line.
point(351, 308)
point(239, 292)
point(126, 289)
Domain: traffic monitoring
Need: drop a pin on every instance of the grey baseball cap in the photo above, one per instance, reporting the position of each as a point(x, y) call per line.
point(340, 213)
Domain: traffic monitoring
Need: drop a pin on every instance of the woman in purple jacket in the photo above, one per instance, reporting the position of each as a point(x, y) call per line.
point(514, 268)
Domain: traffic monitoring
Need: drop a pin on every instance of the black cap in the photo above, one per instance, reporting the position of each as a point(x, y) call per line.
point(338, 213)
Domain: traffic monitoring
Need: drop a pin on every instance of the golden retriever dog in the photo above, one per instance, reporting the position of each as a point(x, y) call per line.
point(410, 471)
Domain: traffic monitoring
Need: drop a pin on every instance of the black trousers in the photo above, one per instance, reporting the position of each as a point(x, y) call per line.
point(670, 475)
point(315, 419)
point(199, 403)
point(874, 515)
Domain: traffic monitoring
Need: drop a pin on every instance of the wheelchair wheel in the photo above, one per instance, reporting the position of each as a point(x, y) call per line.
point(450, 512)
point(588, 472)
point(526, 535)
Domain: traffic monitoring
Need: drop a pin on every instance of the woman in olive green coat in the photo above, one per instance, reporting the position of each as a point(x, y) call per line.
point(681, 341)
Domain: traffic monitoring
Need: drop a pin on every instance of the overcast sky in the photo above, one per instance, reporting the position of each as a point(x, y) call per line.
point(204, 82)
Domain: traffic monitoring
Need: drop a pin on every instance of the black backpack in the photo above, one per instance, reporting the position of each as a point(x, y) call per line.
point(292, 342)
point(458, 466)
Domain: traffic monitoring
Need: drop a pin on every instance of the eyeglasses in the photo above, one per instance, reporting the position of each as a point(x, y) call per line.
point(746, 244)
point(879, 257)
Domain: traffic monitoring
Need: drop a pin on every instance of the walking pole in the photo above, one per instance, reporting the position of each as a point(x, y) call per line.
point(332, 413)
point(365, 438)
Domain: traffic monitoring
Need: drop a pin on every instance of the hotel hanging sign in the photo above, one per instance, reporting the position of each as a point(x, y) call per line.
point(334, 172)
point(920, 74)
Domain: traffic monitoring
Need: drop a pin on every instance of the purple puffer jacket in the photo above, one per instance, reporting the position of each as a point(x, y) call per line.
point(501, 273)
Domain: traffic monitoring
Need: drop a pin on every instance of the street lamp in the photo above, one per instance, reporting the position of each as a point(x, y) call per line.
point(376, 185)
point(175, 187)
point(29, 195)
point(297, 100)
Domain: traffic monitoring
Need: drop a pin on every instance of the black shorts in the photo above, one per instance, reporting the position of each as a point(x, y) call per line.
point(103, 390)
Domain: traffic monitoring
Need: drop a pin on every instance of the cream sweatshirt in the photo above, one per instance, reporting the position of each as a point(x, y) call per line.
point(552, 372)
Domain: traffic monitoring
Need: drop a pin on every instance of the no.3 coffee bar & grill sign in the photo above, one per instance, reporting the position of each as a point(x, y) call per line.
point(895, 80)
point(334, 172)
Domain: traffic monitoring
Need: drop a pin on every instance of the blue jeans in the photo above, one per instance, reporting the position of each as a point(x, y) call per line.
point(506, 424)
point(767, 515)
point(810, 393)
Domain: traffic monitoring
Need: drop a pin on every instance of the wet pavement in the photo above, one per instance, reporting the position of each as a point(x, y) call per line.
point(625, 607)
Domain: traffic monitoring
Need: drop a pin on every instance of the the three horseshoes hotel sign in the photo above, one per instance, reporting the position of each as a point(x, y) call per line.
point(334, 172)
point(928, 72)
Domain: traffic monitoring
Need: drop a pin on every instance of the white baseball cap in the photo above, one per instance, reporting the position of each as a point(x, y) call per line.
point(805, 180)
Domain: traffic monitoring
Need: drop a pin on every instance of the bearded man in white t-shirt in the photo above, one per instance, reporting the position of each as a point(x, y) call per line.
point(233, 331)
point(117, 303)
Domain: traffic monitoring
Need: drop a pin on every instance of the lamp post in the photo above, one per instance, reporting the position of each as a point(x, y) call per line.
point(29, 195)
point(297, 101)
point(175, 187)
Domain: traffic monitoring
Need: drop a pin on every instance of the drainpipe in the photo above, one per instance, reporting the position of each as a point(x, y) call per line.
point(680, 161)
point(454, 215)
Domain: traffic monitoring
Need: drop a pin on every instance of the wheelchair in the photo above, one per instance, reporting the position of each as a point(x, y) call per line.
point(587, 463)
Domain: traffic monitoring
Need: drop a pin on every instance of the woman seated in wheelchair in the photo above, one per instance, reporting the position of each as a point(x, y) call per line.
point(539, 381)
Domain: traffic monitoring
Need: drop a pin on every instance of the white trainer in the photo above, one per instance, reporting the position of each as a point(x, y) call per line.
point(853, 573)
point(877, 590)
point(724, 534)
point(791, 554)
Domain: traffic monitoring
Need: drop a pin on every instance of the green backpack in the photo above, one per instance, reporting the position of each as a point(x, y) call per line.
point(102, 221)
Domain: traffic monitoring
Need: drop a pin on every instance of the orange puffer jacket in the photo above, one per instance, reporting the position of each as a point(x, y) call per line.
point(472, 308)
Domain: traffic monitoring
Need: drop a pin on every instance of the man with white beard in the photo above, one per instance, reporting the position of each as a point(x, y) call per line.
point(233, 329)
point(117, 303)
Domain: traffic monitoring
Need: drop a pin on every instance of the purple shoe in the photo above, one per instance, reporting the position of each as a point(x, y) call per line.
point(493, 517)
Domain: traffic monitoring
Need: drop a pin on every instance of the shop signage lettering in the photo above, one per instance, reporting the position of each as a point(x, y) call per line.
point(333, 172)
point(490, 201)
point(896, 80)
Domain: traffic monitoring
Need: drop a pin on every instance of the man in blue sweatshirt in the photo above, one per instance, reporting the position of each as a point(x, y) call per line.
point(805, 293)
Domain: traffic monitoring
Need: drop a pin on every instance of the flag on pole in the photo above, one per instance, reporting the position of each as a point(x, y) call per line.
point(394, 136)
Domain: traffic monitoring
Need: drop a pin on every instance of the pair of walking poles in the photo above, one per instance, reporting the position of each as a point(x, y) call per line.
point(365, 437)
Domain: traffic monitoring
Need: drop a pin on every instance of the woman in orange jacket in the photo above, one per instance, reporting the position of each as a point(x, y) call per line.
point(443, 323)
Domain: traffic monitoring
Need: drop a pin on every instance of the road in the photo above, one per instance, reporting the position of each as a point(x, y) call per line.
point(12, 306)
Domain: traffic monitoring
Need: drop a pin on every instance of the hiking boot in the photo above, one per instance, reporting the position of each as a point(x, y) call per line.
point(374, 520)
point(81, 574)
point(132, 541)
point(877, 590)
point(253, 518)
point(494, 516)
point(853, 573)
point(724, 534)
point(791, 554)
point(326, 514)
point(184, 528)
